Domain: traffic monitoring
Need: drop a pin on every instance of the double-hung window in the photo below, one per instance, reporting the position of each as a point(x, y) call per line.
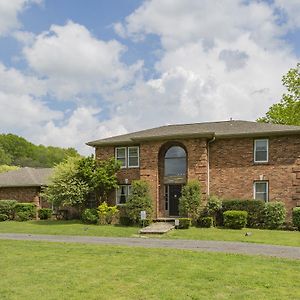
point(121, 156)
point(261, 190)
point(261, 151)
point(122, 193)
point(128, 156)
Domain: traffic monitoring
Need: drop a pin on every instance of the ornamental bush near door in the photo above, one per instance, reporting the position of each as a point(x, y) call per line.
point(206, 222)
point(7, 207)
point(235, 219)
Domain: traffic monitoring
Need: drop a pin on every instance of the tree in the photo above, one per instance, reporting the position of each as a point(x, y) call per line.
point(76, 178)
point(287, 111)
point(5, 158)
point(139, 200)
point(190, 200)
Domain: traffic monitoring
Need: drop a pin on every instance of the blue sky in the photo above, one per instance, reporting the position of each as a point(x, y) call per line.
point(74, 71)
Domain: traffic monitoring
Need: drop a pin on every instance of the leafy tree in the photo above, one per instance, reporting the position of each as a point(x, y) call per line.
point(18, 151)
point(76, 178)
point(6, 168)
point(190, 200)
point(287, 111)
point(5, 158)
point(139, 200)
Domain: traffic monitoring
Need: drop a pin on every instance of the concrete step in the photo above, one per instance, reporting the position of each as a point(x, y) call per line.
point(157, 228)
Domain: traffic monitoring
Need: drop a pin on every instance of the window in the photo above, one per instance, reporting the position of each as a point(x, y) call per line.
point(175, 162)
point(128, 156)
point(121, 156)
point(261, 190)
point(133, 157)
point(261, 149)
point(122, 193)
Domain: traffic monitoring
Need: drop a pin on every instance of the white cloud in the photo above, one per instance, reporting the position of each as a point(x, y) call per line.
point(9, 11)
point(77, 63)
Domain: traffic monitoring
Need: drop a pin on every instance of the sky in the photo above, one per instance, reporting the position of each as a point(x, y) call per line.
point(76, 71)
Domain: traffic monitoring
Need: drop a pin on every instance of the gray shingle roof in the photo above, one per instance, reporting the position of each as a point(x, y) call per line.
point(221, 129)
point(25, 177)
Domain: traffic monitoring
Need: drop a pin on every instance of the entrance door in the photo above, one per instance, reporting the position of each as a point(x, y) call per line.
point(174, 195)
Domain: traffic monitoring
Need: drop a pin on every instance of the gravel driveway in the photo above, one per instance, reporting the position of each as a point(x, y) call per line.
point(211, 246)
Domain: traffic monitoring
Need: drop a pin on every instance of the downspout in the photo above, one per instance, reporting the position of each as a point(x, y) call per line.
point(208, 175)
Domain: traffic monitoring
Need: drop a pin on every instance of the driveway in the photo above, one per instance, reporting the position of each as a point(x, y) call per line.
point(195, 245)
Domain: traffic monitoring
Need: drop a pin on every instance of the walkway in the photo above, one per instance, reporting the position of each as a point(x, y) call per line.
point(212, 246)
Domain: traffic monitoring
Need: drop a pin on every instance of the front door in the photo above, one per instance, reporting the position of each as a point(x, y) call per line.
point(174, 195)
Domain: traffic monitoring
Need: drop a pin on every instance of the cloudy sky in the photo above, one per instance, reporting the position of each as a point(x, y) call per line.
point(75, 71)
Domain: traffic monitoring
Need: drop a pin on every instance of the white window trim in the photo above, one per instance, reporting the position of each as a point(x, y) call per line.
point(138, 157)
point(127, 194)
point(267, 187)
point(261, 161)
point(116, 156)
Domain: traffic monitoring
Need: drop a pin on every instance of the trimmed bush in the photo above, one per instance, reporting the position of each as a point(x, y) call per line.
point(235, 219)
point(3, 217)
point(214, 209)
point(45, 213)
point(184, 223)
point(254, 208)
point(296, 217)
point(190, 200)
point(274, 215)
point(139, 200)
point(7, 207)
point(23, 216)
point(90, 216)
point(206, 222)
point(144, 223)
point(107, 214)
point(25, 211)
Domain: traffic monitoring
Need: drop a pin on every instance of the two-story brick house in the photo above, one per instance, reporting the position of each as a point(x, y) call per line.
point(231, 159)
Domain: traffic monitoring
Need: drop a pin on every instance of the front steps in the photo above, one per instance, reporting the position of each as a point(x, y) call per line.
point(158, 228)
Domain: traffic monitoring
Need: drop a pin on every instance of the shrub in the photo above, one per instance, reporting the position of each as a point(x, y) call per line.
point(274, 215)
point(3, 217)
point(214, 208)
point(90, 216)
point(23, 216)
point(27, 210)
point(7, 207)
point(184, 223)
point(107, 214)
point(139, 200)
point(125, 221)
point(254, 208)
point(296, 217)
point(190, 200)
point(206, 222)
point(235, 219)
point(144, 223)
point(45, 213)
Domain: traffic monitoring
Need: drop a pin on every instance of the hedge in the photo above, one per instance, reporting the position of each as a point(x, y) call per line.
point(7, 207)
point(206, 222)
point(184, 223)
point(45, 213)
point(235, 219)
point(296, 217)
point(274, 215)
point(25, 211)
point(254, 208)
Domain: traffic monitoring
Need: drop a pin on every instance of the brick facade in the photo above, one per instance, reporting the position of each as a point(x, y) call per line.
point(232, 170)
point(21, 194)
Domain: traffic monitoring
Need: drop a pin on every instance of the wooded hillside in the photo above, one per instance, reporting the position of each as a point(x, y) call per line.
point(17, 151)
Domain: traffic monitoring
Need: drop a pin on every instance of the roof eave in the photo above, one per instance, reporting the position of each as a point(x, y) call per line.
point(259, 134)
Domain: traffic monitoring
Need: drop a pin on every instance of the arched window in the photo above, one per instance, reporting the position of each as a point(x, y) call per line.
point(175, 161)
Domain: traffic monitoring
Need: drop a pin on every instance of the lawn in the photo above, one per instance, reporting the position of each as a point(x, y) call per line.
point(275, 237)
point(40, 270)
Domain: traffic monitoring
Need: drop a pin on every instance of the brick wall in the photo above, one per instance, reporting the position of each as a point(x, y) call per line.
point(21, 194)
point(233, 171)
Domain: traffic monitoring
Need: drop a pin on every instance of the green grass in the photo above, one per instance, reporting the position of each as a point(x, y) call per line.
point(39, 270)
point(274, 237)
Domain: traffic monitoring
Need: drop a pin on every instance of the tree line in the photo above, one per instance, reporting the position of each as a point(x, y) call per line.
point(17, 151)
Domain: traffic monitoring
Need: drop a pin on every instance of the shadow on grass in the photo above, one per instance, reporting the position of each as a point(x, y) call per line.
point(56, 222)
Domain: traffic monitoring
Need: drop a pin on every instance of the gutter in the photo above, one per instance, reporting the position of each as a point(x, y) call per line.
point(208, 166)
